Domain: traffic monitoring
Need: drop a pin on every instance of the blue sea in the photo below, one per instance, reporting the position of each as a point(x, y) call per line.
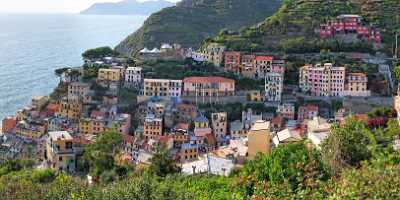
point(33, 46)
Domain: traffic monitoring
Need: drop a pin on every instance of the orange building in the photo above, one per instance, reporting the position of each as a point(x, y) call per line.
point(8, 124)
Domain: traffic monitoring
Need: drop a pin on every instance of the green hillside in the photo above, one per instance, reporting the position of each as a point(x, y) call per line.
point(191, 21)
point(292, 27)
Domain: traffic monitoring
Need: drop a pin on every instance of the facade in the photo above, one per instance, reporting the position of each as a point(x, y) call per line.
point(263, 66)
point(214, 53)
point(286, 111)
point(273, 87)
point(90, 126)
point(188, 152)
point(110, 75)
point(219, 124)
point(8, 124)
point(79, 91)
point(133, 77)
point(202, 126)
point(237, 130)
point(70, 109)
point(60, 151)
point(153, 127)
point(356, 85)
point(259, 139)
point(322, 80)
point(349, 24)
point(307, 112)
point(208, 86)
point(162, 88)
point(232, 61)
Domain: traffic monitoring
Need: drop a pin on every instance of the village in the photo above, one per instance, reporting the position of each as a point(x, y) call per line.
point(210, 122)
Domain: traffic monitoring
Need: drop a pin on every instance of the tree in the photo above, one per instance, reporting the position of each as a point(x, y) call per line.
point(99, 53)
point(347, 145)
point(59, 72)
point(99, 155)
point(161, 162)
point(397, 73)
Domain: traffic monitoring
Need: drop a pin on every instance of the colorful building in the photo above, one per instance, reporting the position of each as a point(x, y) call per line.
point(133, 77)
point(286, 111)
point(322, 80)
point(153, 127)
point(109, 75)
point(219, 125)
point(273, 87)
point(70, 109)
point(162, 88)
point(356, 85)
point(232, 61)
point(307, 112)
point(8, 124)
point(212, 86)
point(259, 139)
point(80, 91)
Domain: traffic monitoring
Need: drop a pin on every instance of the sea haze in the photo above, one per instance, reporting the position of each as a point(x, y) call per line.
point(33, 46)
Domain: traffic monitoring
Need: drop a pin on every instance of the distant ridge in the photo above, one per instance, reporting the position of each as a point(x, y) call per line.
point(127, 7)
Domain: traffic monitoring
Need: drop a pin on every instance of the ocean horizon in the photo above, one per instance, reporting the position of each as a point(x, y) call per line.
point(32, 46)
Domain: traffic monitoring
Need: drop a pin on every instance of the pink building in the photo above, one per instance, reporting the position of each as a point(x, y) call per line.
point(322, 80)
point(349, 24)
point(212, 86)
point(232, 61)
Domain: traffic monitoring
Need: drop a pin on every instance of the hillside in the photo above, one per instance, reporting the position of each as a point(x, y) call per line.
point(127, 7)
point(191, 21)
point(294, 23)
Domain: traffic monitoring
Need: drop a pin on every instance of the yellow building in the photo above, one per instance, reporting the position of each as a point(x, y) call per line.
point(259, 139)
point(162, 88)
point(109, 75)
point(70, 109)
point(255, 95)
point(91, 126)
point(153, 127)
point(60, 153)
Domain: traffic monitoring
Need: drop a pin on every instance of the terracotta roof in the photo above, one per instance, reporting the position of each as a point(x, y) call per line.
point(310, 107)
point(232, 52)
point(209, 79)
point(53, 106)
point(264, 58)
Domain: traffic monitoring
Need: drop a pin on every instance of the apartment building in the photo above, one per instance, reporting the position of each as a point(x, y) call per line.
point(219, 125)
point(322, 80)
point(80, 91)
point(152, 127)
point(70, 109)
point(214, 53)
point(286, 111)
point(273, 87)
point(162, 88)
point(133, 77)
point(259, 139)
point(307, 112)
point(109, 75)
point(212, 86)
point(356, 85)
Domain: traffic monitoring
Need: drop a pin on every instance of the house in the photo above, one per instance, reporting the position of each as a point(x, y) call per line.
point(322, 80)
point(307, 112)
point(133, 77)
point(286, 111)
point(219, 125)
point(318, 130)
point(214, 53)
point(249, 118)
point(188, 152)
point(259, 139)
point(70, 109)
point(209, 164)
point(232, 61)
point(201, 126)
point(153, 126)
point(356, 85)
point(237, 130)
point(210, 87)
point(273, 87)
point(256, 96)
point(109, 75)
point(162, 88)
point(80, 91)
point(287, 136)
point(8, 124)
point(31, 129)
point(60, 151)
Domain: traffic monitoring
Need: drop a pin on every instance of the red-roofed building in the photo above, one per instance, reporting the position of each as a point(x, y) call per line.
point(52, 109)
point(8, 124)
point(232, 61)
point(212, 86)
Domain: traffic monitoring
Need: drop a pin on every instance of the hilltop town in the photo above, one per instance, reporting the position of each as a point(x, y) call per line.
point(210, 110)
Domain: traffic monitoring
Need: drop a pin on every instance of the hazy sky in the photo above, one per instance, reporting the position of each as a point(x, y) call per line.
point(49, 6)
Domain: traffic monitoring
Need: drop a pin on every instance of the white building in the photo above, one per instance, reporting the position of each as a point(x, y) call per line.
point(133, 77)
point(318, 130)
point(209, 164)
point(273, 87)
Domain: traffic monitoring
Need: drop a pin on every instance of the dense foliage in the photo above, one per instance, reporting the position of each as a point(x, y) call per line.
point(190, 22)
point(99, 52)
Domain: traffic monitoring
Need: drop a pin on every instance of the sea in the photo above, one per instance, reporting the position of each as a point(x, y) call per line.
point(33, 46)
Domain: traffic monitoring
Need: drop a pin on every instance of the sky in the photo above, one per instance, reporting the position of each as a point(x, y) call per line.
point(49, 6)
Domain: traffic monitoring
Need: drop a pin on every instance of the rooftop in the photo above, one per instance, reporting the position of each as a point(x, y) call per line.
point(209, 79)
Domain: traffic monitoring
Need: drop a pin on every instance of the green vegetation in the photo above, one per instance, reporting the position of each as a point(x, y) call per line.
point(99, 52)
point(190, 22)
point(291, 28)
